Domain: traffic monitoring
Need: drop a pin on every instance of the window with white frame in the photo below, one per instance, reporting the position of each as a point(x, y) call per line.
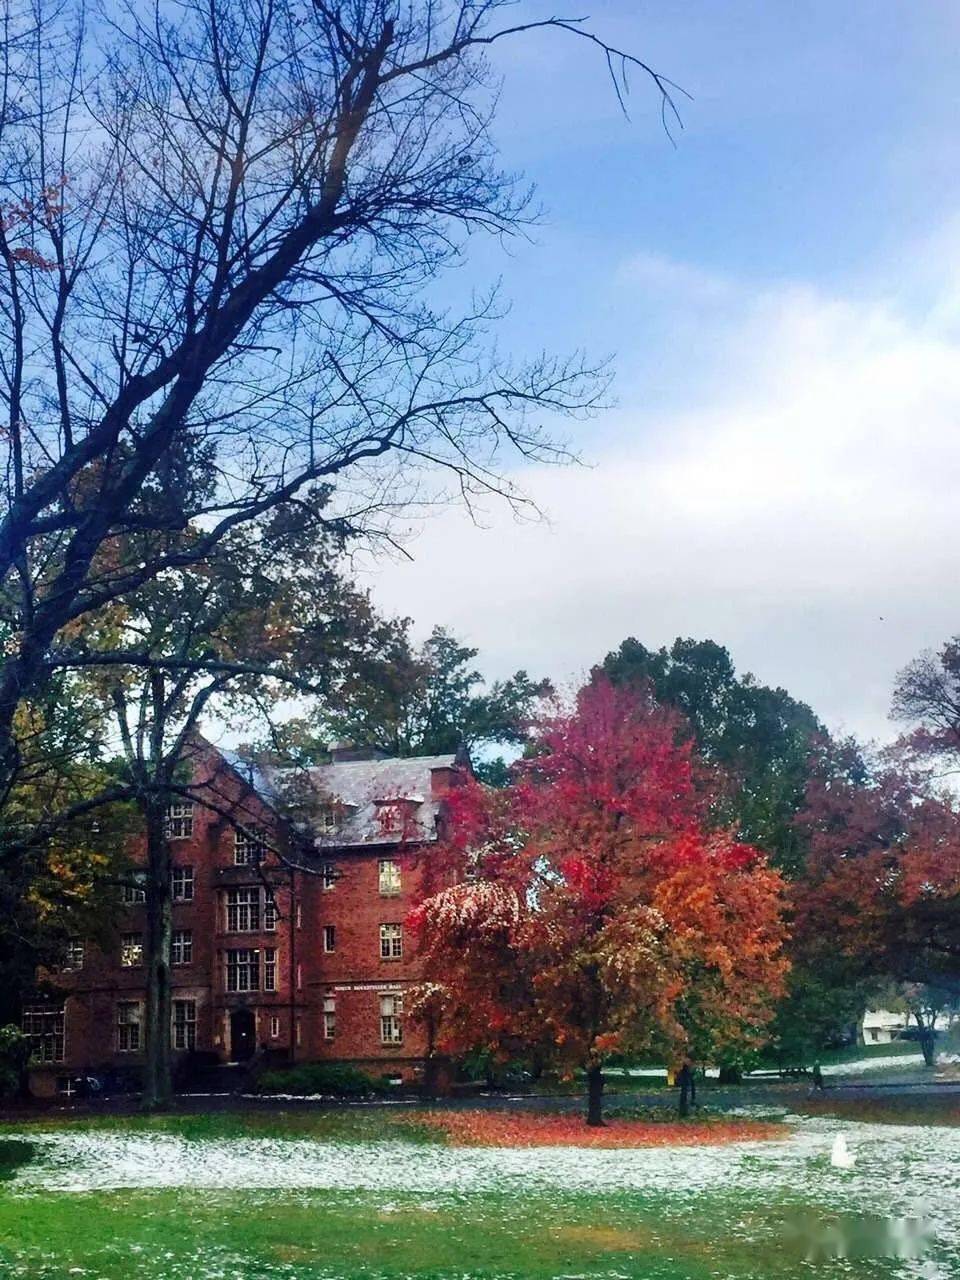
point(329, 937)
point(181, 946)
point(184, 1024)
point(270, 969)
point(243, 969)
point(179, 820)
point(134, 893)
point(327, 819)
point(329, 1018)
point(391, 1019)
point(270, 912)
point(329, 875)
point(389, 876)
point(129, 1026)
point(274, 1027)
point(391, 941)
point(248, 847)
point(243, 911)
point(75, 953)
point(182, 884)
point(44, 1028)
point(131, 950)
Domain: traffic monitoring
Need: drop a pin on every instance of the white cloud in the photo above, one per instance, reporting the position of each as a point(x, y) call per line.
point(805, 517)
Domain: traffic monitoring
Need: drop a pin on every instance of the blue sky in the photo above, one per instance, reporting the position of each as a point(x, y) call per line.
point(781, 293)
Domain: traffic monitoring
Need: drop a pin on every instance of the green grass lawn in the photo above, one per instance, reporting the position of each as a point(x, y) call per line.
point(405, 1205)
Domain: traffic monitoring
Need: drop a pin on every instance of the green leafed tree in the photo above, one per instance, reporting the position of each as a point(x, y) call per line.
point(429, 699)
point(759, 737)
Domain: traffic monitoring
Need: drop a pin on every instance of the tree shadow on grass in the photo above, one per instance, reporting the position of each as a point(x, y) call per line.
point(14, 1154)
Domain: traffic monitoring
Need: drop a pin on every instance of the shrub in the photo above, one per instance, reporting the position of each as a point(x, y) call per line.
point(321, 1077)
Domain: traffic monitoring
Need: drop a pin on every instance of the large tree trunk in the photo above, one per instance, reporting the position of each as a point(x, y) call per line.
point(928, 1042)
point(158, 1084)
point(595, 1096)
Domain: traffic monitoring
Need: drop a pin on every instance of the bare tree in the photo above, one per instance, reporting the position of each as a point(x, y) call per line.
point(218, 226)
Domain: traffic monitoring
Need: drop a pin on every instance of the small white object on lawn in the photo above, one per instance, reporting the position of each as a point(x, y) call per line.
point(841, 1157)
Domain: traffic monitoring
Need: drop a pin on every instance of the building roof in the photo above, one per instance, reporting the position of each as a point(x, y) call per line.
point(370, 802)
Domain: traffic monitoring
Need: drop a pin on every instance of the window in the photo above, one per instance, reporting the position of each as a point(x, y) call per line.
point(248, 847)
point(389, 877)
point(329, 1018)
point(182, 884)
point(184, 1024)
point(299, 915)
point(391, 1019)
point(327, 819)
point(131, 950)
point(391, 941)
point(274, 1027)
point(180, 820)
point(269, 912)
point(874, 1034)
point(73, 959)
point(243, 910)
point(181, 950)
point(329, 937)
point(299, 1032)
point(299, 977)
point(270, 969)
point(44, 1028)
point(329, 875)
point(128, 1026)
point(243, 970)
point(133, 893)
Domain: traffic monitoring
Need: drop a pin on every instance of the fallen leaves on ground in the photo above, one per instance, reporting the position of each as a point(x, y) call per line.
point(522, 1129)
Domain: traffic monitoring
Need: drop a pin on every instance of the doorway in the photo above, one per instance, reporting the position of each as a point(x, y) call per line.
point(243, 1038)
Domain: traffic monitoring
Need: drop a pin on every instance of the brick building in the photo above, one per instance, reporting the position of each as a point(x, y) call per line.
point(310, 961)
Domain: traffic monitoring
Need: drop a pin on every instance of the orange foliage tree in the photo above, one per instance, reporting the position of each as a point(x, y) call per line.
point(589, 910)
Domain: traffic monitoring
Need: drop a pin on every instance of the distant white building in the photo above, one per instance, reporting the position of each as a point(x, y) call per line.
point(880, 1026)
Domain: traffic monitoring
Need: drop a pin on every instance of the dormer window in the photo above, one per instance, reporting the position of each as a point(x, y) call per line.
point(327, 822)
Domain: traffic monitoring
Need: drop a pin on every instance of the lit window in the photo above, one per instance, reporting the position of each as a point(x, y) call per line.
point(391, 941)
point(184, 1024)
point(182, 881)
point(133, 893)
point(329, 937)
point(329, 875)
point(248, 847)
point(391, 1019)
point(74, 955)
point(131, 950)
point(270, 969)
point(181, 949)
point(180, 820)
point(274, 1027)
point(243, 910)
point(389, 877)
point(329, 1018)
point(243, 970)
point(44, 1028)
point(129, 1015)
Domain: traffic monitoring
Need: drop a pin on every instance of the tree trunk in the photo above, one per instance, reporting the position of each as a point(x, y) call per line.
point(157, 1084)
point(595, 1096)
point(928, 1045)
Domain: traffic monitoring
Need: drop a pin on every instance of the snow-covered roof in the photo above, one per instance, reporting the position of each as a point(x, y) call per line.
point(370, 801)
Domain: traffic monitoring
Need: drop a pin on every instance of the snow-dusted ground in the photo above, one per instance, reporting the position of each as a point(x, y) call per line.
point(908, 1061)
point(903, 1173)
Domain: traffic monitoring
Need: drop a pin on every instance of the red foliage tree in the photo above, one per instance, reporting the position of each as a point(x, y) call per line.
point(594, 911)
